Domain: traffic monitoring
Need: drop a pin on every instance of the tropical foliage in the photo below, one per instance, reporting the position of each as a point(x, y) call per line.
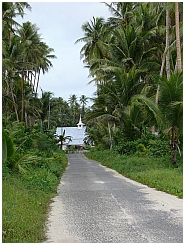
point(135, 59)
point(24, 57)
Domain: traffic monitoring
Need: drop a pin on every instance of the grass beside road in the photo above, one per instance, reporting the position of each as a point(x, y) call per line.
point(24, 213)
point(26, 198)
point(154, 172)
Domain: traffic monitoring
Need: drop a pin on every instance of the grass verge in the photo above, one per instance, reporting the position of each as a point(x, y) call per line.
point(26, 198)
point(154, 172)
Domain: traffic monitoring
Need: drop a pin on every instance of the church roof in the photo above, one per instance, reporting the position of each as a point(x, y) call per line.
point(77, 134)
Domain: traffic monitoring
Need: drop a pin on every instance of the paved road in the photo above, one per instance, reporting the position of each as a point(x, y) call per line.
point(96, 204)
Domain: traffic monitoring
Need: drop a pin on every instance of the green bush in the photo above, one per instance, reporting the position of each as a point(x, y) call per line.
point(141, 150)
point(150, 144)
point(46, 144)
point(158, 148)
point(87, 147)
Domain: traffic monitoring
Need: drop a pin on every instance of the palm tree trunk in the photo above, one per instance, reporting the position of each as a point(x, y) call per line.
point(26, 119)
point(37, 81)
point(49, 116)
point(35, 78)
point(166, 55)
point(161, 73)
point(179, 63)
point(110, 136)
point(22, 115)
point(14, 104)
point(61, 145)
point(167, 43)
point(173, 145)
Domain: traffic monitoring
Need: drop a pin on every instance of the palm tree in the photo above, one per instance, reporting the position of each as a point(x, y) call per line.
point(166, 55)
point(43, 62)
point(61, 113)
point(127, 74)
point(170, 52)
point(45, 106)
point(34, 57)
point(32, 106)
point(10, 50)
point(9, 11)
point(29, 38)
point(168, 70)
point(74, 107)
point(113, 100)
point(72, 100)
point(171, 105)
point(95, 40)
point(10, 65)
point(131, 45)
point(83, 100)
point(122, 13)
point(63, 138)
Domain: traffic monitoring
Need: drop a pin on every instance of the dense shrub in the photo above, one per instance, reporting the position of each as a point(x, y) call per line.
point(45, 143)
point(149, 145)
point(158, 148)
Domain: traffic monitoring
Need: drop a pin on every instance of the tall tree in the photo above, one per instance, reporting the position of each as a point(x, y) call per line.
point(9, 12)
point(168, 70)
point(83, 100)
point(74, 107)
point(178, 45)
point(170, 103)
point(95, 33)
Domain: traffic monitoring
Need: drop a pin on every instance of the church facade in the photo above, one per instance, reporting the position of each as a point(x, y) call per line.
point(73, 136)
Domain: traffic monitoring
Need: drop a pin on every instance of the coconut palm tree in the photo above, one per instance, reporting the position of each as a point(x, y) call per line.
point(45, 106)
point(9, 11)
point(11, 55)
point(34, 56)
point(75, 108)
point(131, 45)
point(113, 100)
point(122, 13)
point(11, 42)
point(29, 38)
point(95, 38)
point(83, 100)
point(171, 105)
point(72, 100)
point(43, 62)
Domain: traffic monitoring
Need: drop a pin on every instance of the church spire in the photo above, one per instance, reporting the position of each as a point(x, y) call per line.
point(80, 124)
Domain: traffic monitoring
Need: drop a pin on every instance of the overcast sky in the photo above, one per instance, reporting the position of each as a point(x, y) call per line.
point(60, 26)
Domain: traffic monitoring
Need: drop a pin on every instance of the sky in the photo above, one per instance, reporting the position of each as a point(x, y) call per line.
point(60, 24)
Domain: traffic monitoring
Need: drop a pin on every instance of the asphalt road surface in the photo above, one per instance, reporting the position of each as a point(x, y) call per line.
point(97, 205)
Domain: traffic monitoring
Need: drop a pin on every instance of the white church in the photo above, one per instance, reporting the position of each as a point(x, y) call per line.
point(74, 135)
